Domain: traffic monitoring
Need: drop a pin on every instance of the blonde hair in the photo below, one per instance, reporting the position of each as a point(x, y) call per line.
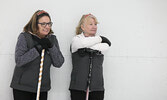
point(32, 25)
point(82, 20)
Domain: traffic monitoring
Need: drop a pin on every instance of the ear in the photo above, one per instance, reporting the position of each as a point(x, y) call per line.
point(82, 26)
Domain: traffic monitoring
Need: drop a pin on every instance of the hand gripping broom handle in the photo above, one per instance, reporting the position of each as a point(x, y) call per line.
point(40, 74)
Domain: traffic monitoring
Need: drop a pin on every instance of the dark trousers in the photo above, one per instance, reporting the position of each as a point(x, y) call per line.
point(23, 95)
point(81, 95)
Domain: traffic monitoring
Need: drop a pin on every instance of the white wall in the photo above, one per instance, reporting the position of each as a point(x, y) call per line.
point(134, 67)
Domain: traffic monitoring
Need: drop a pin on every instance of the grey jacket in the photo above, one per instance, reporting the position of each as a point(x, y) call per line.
point(27, 60)
point(80, 71)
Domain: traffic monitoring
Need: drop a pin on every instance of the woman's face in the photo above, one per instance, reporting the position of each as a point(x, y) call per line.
point(89, 27)
point(44, 26)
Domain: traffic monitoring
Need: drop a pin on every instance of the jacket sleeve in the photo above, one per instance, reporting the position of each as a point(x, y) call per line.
point(22, 54)
point(101, 47)
point(84, 42)
point(56, 55)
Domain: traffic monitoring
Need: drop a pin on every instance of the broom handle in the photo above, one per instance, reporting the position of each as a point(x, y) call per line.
point(89, 76)
point(87, 93)
point(40, 74)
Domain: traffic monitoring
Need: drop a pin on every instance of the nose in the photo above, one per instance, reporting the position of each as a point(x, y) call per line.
point(95, 26)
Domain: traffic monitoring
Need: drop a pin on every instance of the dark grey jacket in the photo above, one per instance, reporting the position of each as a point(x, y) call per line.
point(80, 71)
point(28, 62)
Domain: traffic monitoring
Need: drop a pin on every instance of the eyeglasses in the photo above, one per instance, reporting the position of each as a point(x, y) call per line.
point(45, 24)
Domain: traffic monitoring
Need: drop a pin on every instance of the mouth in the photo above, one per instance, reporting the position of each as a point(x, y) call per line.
point(93, 30)
point(46, 30)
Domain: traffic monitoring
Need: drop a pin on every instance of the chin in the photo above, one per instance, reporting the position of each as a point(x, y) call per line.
point(93, 33)
point(45, 33)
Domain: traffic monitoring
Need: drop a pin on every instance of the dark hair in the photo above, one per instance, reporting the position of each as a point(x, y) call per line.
point(32, 25)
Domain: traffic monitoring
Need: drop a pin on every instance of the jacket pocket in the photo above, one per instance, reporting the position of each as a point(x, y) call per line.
point(29, 78)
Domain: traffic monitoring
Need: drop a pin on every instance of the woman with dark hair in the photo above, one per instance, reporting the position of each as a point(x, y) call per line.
point(37, 35)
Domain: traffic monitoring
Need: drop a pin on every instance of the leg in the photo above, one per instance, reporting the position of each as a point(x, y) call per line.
point(43, 96)
point(21, 95)
point(96, 95)
point(78, 95)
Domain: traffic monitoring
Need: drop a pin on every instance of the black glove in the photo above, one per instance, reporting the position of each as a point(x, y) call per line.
point(39, 48)
point(105, 40)
point(91, 51)
point(36, 38)
point(82, 52)
point(45, 43)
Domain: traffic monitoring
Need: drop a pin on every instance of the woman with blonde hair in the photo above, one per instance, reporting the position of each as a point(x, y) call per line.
point(37, 35)
point(87, 50)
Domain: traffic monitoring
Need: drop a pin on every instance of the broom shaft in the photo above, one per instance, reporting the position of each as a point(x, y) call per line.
point(40, 74)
